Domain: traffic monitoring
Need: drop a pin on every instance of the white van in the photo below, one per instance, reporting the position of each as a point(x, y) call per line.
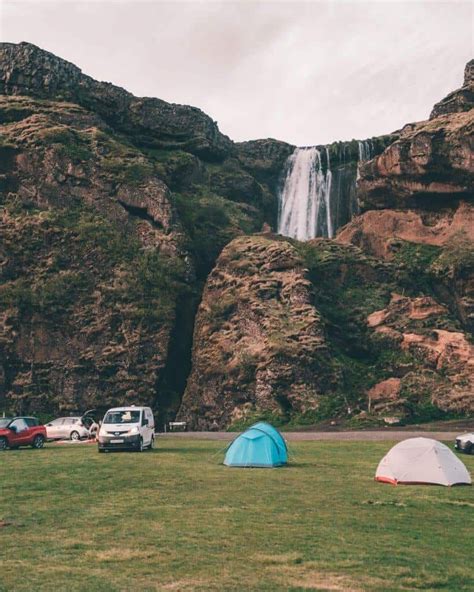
point(127, 428)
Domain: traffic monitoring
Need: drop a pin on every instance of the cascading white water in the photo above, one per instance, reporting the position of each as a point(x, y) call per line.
point(366, 151)
point(327, 195)
point(316, 202)
point(305, 210)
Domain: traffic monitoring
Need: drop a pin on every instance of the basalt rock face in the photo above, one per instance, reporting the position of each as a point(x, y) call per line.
point(264, 158)
point(58, 155)
point(85, 314)
point(417, 202)
point(430, 163)
point(299, 332)
point(259, 343)
point(437, 361)
point(92, 259)
point(436, 247)
point(380, 231)
point(106, 237)
point(460, 100)
point(28, 70)
point(116, 212)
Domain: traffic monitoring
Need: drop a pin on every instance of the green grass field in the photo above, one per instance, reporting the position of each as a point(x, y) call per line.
point(177, 519)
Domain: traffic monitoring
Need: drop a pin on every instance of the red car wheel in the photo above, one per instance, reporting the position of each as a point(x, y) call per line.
point(38, 441)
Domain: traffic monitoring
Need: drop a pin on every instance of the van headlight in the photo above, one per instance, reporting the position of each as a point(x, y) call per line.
point(134, 430)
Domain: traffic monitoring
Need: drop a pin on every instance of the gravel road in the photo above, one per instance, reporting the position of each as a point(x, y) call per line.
point(361, 436)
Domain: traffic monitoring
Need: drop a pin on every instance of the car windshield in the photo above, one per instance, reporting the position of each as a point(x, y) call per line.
point(4, 421)
point(122, 417)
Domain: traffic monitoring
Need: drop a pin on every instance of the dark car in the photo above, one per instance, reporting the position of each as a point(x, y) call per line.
point(21, 431)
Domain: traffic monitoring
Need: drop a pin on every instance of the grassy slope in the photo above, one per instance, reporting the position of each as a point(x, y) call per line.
point(176, 519)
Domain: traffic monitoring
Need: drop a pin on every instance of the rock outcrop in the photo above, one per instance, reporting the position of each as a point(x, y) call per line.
point(60, 154)
point(294, 331)
point(85, 313)
point(460, 100)
point(259, 344)
point(417, 203)
point(429, 163)
point(28, 70)
point(436, 363)
point(380, 231)
point(124, 234)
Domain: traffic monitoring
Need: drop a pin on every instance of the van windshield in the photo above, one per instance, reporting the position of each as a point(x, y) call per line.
point(122, 417)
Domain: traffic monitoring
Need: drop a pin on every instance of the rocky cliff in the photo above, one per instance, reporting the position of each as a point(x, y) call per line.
point(418, 195)
point(459, 100)
point(259, 341)
point(114, 210)
point(127, 262)
point(395, 316)
point(28, 70)
point(305, 331)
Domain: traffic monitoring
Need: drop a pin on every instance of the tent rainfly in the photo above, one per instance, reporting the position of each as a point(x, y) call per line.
point(261, 445)
point(422, 461)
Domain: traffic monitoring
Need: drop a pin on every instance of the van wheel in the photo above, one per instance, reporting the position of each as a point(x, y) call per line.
point(152, 443)
point(140, 445)
point(38, 442)
point(469, 448)
point(3, 443)
point(75, 436)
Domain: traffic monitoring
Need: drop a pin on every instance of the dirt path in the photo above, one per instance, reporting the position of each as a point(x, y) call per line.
point(361, 436)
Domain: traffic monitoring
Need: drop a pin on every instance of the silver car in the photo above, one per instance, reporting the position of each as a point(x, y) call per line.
point(67, 428)
point(465, 443)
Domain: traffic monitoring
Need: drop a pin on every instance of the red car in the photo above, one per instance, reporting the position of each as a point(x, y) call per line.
point(21, 431)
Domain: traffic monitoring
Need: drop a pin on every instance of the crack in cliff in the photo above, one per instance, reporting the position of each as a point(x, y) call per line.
point(140, 212)
point(172, 382)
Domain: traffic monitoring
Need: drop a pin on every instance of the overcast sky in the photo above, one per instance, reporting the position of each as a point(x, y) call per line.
point(305, 72)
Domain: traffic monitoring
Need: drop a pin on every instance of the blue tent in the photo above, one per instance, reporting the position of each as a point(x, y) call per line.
point(260, 446)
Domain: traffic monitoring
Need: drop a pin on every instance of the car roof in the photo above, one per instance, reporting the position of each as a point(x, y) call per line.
point(130, 408)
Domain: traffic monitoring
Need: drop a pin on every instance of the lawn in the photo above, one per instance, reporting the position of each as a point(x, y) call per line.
point(177, 519)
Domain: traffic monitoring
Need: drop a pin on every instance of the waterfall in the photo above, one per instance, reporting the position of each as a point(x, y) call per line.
point(305, 209)
point(316, 202)
point(327, 195)
point(366, 152)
